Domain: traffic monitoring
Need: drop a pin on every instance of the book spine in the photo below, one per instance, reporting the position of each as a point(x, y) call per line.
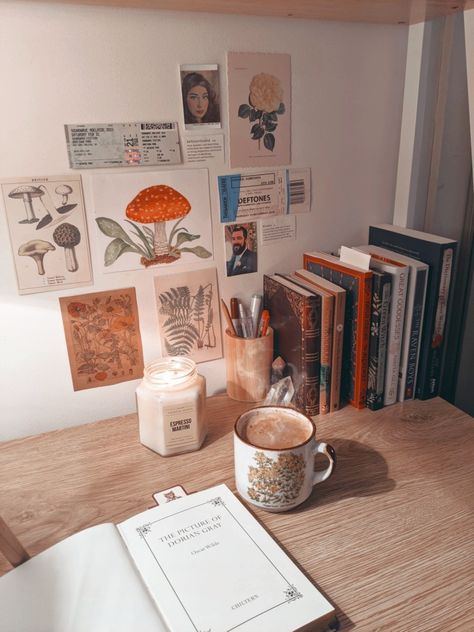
point(337, 344)
point(435, 355)
point(440, 258)
point(413, 339)
point(327, 315)
point(378, 340)
point(311, 354)
point(383, 337)
point(362, 353)
point(397, 314)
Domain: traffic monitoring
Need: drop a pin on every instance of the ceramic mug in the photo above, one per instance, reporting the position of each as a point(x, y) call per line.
point(274, 452)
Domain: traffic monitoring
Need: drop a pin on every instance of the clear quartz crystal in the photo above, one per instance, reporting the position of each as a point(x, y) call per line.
point(171, 406)
point(281, 393)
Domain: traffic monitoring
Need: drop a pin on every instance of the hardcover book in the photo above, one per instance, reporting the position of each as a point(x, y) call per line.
point(379, 322)
point(358, 285)
point(199, 563)
point(295, 316)
point(327, 321)
point(439, 253)
point(414, 311)
point(339, 295)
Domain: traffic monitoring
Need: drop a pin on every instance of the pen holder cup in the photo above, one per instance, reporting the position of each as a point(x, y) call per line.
point(248, 366)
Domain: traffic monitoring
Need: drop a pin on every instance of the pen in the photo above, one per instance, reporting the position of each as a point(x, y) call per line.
point(246, 322)
point(234, 313)
point(230, 324)
point(255, 305)
point(264, 322)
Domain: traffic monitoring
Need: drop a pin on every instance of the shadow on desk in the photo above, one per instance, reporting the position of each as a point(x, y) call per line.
point(360, 471)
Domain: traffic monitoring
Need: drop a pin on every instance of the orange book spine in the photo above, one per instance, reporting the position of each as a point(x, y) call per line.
point(363, 335)
point(358, 285)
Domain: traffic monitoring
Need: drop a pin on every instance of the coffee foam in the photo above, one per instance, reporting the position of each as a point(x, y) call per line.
point(276, 430)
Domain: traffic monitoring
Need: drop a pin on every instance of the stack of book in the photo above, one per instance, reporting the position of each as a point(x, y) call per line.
point(369, 334)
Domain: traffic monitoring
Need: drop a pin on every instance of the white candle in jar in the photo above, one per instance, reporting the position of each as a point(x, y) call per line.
point(171, 406)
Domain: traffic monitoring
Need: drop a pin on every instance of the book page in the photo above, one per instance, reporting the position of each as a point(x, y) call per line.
point(86, 582)
point(211, 567)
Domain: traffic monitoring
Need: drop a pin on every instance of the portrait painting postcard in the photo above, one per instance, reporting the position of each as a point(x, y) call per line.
point(188, 314)
point(259, 86)
point(200, 95)
point(241, 248)
point(48, 232)
point(103, 337)
point(153, 218)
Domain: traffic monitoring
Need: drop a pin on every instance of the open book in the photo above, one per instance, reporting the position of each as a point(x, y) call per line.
point(199, 564)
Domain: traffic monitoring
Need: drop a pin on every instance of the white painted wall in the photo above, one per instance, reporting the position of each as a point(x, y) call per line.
point(72, 64)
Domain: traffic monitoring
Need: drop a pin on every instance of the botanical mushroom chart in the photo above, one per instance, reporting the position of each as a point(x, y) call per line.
point(152, 218)
point(48, 232)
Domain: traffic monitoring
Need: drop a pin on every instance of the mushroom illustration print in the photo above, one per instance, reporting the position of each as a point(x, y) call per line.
point(26, 192)
point(153, 205)
point(36, 249)
point(68, 236)
point(159, 204)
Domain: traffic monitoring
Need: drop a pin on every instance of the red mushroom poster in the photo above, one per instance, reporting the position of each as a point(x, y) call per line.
point(48, 232)
point(155, 218)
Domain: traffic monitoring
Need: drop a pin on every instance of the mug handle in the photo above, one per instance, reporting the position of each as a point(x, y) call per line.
point(321, 447)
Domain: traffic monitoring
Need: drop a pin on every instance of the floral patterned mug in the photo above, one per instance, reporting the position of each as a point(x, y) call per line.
point(274, 451)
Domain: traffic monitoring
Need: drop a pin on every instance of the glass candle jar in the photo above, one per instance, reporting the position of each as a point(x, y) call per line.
point(171, 406)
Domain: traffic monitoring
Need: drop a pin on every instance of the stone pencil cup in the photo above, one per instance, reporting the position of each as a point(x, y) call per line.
point(248, 366)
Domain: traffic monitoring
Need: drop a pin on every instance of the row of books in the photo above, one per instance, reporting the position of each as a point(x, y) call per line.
point(366, 327)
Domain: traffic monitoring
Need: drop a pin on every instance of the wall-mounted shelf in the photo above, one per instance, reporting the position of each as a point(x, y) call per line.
point(376, 11)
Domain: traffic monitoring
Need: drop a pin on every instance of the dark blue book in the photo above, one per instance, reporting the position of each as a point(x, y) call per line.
point(439, 253)
point(379, 322)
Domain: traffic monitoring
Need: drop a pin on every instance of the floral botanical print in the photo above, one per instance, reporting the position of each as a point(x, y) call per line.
point(103, 337)
point(276, 481)
point(265, 104)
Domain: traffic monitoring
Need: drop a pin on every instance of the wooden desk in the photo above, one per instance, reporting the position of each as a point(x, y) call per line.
point(389, 538)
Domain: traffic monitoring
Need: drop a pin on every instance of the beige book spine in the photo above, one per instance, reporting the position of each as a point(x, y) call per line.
point(327, 316)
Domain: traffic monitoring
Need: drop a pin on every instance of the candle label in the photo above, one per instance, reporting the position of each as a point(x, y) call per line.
point(180, 424)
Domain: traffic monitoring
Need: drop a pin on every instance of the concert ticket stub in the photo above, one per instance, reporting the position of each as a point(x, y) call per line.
point(250, 196)
point(122, 144)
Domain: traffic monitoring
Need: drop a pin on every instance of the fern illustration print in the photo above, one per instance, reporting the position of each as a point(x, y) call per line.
point(188, 315)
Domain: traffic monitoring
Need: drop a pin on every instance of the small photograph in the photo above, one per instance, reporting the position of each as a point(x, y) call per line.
point(103, 337)
point(241, 248)
point(200, 94)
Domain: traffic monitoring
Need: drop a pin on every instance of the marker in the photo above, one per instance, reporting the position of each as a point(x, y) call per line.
point(264, 322)
point(234, 313)
point(255, 305)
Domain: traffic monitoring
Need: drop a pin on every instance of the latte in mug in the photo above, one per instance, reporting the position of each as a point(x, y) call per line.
point(276, 430)
point(274, 452)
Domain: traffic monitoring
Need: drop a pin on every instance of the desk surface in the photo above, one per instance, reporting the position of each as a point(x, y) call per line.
point(389, 538)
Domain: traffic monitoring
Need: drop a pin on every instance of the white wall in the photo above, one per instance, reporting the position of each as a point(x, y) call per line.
point(72, 64)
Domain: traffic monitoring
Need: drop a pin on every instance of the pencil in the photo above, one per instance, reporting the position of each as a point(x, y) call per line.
point(230, 324)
